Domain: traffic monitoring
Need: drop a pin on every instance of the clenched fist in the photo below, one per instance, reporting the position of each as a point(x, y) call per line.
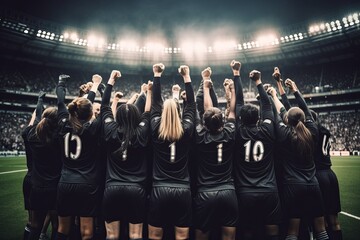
point(235, 65)
point(277, 75)
point(291, 85)
point(206, 73)
point(255, 75)
point(119, 95)
point(158, 68)
point(96, 79)
point(184, 70)
point(115, 74)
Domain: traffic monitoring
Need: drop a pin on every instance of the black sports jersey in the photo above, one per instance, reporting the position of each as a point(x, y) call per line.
point(46, 160)
point(254, 164)
point(78, 150)
point(215, 157)
point(322, 149)
point(130, 166)
point(24, 135)
point(170, 164)
point(296, 169)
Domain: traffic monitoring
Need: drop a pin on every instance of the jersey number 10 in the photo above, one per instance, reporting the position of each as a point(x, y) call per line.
point(257, 151)
point(77, 153)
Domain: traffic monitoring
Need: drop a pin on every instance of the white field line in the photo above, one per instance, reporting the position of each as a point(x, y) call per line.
point(15, 171)
point(350, 215)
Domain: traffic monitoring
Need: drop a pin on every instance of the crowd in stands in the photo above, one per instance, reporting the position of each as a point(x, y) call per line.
point(310, 79)
point(344, 127)
point(12, 125)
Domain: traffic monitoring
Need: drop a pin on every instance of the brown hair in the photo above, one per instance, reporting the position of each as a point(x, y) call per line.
point(80, 110)
point(47, 124)
point(213, 120)
point(301, 136)
point(170, 126)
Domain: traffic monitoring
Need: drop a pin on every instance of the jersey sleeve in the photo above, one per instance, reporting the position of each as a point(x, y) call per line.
point(189, 111)
point(140, 102)
point(143, 129)
point(156, 106)
point(267, 113)
point(285, 101)
point(62, 113)
point(91, 96)
point(239, 95)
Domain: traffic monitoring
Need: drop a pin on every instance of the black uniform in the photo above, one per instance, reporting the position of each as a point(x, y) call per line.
point(124, 196)
point(78, 191)
point(215, 202)
point(328, 181)
point(46, 170)
point(302, 196)
point(27, 178)
point(254, 168)
point(170, 200)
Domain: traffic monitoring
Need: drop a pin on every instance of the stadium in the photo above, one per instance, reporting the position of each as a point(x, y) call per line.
point(322, 56)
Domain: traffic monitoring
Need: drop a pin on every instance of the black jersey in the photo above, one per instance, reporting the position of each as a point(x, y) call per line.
point(254, 164)
point(215, 157)
point(170, 164)
point(46, 160)
point(128, 167)
point(295, 168)
point(24, 135)
point(78, 150)
point(322, 149)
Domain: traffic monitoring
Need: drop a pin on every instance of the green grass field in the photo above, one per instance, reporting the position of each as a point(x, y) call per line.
point(13, 216)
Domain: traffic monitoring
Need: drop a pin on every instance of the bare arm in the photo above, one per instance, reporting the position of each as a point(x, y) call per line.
point(148, 97)
point(115, 102)
point(232, 100)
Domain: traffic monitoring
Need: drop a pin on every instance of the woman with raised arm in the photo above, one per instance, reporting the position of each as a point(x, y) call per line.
point(126, 141)
point(78, 189)
point(42, 144)
point(215, 204)
point(255, 182)
point(301, 191)
point(170, 200)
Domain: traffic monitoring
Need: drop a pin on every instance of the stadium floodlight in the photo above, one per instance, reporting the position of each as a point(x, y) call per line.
point(66, 35)
point(26, 31)
point(92, 41)
point(73, 36)
point(322, 26)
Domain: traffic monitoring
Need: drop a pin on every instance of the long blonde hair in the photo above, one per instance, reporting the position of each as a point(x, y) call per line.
point(170, 126)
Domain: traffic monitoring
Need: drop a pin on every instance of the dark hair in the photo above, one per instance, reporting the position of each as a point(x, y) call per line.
point(80, 110)
point(213, 119)
point(128, 118)
point(249, 114)
point(301, 137)
point(47, 125)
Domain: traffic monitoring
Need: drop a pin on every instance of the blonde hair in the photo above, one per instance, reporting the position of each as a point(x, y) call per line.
point(170, 126)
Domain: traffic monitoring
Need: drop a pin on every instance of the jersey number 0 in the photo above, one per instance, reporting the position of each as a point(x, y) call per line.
point(67, 140)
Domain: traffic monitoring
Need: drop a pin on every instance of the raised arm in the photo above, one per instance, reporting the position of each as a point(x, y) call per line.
point(105, 101)
point(277, 77)
point(148, 96)
point(236, 66)
point(207, 99)
point(205, 75)
point(266, 110)
point(232, 104)
point(156, 106)
point(299, 98)
point(115, 101)
point(40, 106)
point(96, 79)
point(140, 101)
point(60, 93)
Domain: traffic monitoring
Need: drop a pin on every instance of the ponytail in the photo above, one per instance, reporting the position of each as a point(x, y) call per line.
point(47, 125)
point(301, 137)
point(305, 142)
point(80, 110)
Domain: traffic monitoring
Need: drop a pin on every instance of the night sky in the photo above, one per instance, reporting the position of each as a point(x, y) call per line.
point(183, 17)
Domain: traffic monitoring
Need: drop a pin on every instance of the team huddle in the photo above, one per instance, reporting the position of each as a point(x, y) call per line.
point(180, 162)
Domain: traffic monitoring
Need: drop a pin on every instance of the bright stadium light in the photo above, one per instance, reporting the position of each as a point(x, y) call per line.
point(66, 35)
point(73, 36)
point(265, 40)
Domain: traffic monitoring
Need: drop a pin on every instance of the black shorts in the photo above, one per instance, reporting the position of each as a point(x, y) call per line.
point(301, 201)
point(78, 200)
point(259, 208)
point(43, 199)
point(124, 203)
point(170, 206)
point(26, 191)
point(329, 187)
point(215, 209)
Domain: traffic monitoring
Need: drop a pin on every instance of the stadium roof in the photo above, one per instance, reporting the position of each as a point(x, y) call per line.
point(171, 16)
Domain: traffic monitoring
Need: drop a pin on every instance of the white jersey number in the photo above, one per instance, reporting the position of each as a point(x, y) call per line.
point(172, 152)
point(257, 151)
point(219, 152)
point(77, 153)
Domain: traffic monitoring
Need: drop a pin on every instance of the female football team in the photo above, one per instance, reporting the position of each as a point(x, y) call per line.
point(180, 166)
